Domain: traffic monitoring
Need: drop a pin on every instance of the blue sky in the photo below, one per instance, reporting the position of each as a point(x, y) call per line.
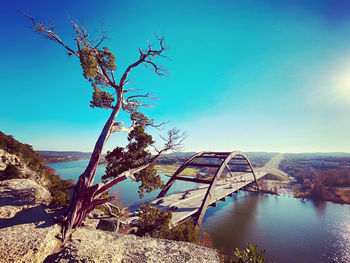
point(244, 75)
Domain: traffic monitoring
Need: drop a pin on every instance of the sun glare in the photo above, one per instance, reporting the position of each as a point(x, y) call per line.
point(342, 85)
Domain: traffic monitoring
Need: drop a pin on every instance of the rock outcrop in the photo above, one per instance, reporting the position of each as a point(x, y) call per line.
point(88, 245)
point(19, 194)
point(27, 231)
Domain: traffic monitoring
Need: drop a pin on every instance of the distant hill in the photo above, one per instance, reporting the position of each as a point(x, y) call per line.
point(174, 158)
point(63, 156)
point(317, 155)
point(179, 154)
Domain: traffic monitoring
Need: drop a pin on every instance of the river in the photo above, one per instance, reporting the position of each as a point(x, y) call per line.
point(290, 229)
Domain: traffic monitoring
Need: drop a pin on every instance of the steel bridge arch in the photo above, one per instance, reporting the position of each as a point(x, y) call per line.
point(225, 158)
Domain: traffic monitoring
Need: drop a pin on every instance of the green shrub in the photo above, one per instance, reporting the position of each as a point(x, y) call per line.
point(11, 172)
point(59, 190)
point(156, 223)
point(185, 232)
point(249, 255)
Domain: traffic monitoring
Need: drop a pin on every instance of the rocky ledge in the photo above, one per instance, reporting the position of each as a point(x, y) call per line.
point(28, 234)
point(88, 245)
point(19, 194)
point(27, 231)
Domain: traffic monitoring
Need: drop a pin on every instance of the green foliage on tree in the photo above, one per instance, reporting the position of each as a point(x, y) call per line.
point(92, 61)
point(134, 155)
point(101, 99)
point(115, 207)
point(116, 212)
point(250, 255)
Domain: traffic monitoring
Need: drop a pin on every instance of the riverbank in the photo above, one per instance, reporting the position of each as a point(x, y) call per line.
point(339, 195)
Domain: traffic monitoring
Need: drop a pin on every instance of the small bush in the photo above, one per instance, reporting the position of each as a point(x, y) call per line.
point(185, 232)
point(10, 172)
point(156, 223)
point(59, 190)
point(205, 240)
point(249, 255)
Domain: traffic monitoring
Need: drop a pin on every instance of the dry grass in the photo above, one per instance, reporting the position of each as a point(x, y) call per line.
point(277, 175)
point(205, 240)
point(167, 168)
point(171, 169)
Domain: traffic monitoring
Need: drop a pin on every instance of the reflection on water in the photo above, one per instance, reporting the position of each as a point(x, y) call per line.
point(227, 225)
point(291, 230)
point(320, 207)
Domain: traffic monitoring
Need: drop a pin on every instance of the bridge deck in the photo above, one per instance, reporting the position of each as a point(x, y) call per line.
point(190, 205)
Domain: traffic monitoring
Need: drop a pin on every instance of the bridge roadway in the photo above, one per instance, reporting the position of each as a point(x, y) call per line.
point(191, 205)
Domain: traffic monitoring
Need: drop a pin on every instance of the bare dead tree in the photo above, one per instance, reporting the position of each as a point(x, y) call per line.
point(98, 65)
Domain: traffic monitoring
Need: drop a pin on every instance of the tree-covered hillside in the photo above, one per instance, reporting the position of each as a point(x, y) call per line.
point(24, 153)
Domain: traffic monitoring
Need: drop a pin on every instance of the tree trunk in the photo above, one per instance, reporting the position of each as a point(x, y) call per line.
point(82, 200)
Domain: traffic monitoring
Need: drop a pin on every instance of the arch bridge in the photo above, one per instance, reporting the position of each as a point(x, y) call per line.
point(220, 174)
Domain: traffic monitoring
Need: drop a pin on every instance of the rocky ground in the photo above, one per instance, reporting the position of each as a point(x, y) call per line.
point(91, 245)
point(28, 234)
point(27, 231)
